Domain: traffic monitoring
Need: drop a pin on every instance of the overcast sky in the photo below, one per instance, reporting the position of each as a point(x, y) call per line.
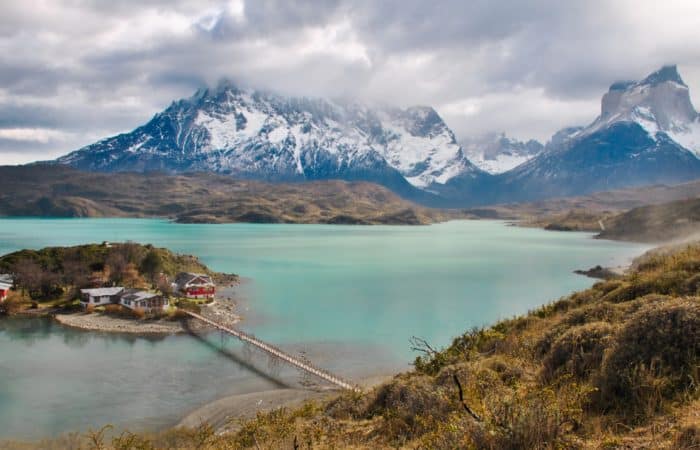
point(72, 72)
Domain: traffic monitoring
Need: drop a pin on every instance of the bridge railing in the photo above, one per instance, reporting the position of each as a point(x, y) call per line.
point(275, 351)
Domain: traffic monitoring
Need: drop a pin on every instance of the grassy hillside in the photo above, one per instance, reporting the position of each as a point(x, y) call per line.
point(41, 190)
point(656, 223)
point(614, 366)
point(584, 213)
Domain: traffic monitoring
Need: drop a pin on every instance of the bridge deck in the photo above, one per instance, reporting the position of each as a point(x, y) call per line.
point(274, 351)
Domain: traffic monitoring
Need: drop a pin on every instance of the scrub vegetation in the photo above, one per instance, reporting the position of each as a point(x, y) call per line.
point(614, 366)
point(52, 277)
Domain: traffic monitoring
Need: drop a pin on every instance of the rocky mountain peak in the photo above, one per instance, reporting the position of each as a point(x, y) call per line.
point(659, 102)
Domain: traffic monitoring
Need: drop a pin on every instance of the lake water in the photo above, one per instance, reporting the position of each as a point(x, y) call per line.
point(350, 297)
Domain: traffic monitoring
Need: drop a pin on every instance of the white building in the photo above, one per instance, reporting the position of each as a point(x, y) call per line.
point(100, 296)
point(147, 301)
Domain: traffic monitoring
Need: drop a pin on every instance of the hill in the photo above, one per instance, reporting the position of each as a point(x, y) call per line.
point(646, 133)
point(656, 223)
point(614, 366)
point(57, 191)
point(59, 272)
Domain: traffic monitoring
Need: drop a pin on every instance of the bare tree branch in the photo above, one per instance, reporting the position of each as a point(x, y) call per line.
point(461, 399)
point(421, 345)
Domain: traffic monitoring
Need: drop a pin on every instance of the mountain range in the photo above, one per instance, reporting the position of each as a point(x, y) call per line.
point(647, 132)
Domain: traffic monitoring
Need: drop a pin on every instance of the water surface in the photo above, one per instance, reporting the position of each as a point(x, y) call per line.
point(349, 296)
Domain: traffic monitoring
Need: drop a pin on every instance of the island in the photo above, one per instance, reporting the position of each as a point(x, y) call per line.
point(115, 287)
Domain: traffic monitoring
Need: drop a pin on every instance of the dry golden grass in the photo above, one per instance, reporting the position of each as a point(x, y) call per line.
point(614, 366)
point(202, 197)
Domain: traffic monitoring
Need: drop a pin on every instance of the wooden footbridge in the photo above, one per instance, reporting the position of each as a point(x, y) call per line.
point(278, 353)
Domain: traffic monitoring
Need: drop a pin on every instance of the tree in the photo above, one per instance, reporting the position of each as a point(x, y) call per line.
point(28, 276)
point(131, 277)
point(152, 265)
point(165, 287)
point(115, 266)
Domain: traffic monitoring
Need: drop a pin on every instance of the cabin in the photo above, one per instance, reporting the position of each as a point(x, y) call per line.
point(147, 301)
point(195, 285)
point(100, 296)
point(6, 283)
point(129, 298)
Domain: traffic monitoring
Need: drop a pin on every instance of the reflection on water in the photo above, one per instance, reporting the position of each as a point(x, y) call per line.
point(57, 379)
point(350, 297)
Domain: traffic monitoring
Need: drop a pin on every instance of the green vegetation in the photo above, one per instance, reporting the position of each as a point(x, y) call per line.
point(54, 275)
point(614, 366)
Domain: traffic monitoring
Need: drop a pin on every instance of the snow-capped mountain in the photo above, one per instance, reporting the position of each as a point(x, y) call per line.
point(660, 103)
point(497, 153)
point(645, 134)
point(648, 132)
point(268, 136)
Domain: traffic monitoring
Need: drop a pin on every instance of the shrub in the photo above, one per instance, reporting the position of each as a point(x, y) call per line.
point(114, 310)
point(10, 306)
point(540, 418)
point(688, 438)
point(139, 313)
point(349, 405)
point(578, 352)
point(410, 406)
point(654, 357)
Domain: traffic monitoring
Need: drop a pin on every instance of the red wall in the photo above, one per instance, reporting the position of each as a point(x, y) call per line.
point(201, 291)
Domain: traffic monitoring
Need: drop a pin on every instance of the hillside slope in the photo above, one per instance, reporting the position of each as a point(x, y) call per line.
point(614, 367)
point(58, 191)
point(656, 223)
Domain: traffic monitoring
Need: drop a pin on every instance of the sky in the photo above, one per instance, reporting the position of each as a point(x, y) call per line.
point(75, 71)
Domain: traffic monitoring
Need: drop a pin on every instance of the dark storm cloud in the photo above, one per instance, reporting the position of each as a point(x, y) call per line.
point(72, 71)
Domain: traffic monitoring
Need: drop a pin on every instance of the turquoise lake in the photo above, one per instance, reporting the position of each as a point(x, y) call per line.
point(350, 297)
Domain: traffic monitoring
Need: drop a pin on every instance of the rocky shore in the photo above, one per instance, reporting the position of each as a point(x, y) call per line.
point(109, 324)
point(222, 310)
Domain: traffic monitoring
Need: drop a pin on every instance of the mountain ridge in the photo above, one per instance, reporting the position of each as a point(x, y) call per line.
point(647, 132)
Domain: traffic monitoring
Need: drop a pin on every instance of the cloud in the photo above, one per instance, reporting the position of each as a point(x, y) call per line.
point(40, 135)
point(73, 71)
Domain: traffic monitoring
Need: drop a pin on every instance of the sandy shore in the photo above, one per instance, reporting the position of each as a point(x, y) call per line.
point(226, 413)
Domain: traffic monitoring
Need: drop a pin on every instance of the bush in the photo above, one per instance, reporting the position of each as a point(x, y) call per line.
point(578, 352)
point(10, 306)
point(410, 406)
point(688, 438)
point(654, 357)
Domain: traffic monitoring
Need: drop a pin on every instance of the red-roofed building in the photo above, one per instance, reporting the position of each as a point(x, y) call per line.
point(195, 285)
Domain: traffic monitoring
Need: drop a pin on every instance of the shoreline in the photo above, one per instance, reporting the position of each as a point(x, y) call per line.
point(222, 309)
point(106, 324)
point(224, 413)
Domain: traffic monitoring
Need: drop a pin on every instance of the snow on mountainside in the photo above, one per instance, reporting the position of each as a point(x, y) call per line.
point(263, 135)
point(660, 103)
point(497, 153)
point(647, 133)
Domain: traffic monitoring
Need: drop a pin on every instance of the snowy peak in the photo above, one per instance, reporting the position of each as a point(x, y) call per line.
point(497, 153)
point(664, 74)
point(261, 134)
point(660, 102)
